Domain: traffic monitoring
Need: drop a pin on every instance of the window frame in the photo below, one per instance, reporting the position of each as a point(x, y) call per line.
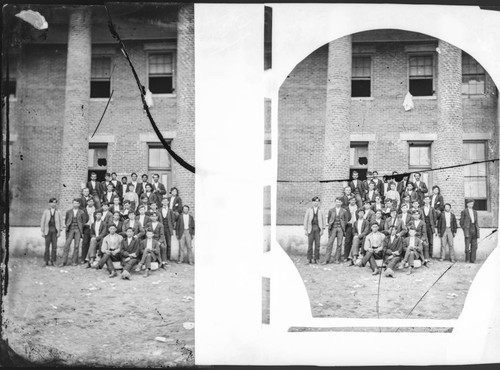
point(160, 170)
point(487, 198)
point(174, 70)
point(94, 146)
point(110, 79)
point(365, 55)
point(468, 94)
point(434, 72)
point(358, 144)
point(420, 168)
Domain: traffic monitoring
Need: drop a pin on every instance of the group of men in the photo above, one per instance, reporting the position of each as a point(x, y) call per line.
point(391, 221)
point(113, 228)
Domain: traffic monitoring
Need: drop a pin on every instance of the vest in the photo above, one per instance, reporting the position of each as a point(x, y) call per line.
point(315, 218)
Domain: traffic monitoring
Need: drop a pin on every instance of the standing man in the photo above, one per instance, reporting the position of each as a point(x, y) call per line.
point(117, 184)
point(469, 223)
point(349, 231)
point(85, 198)
point(158, 189)
point(185, 234)
point(74, 230)
point(89, 220)
point(98, 231)
point(51, 225)
point(95, 188)
point(361, 228)
point(337, 221)
point(142, 185)
point(167, 219)
point(175, 202)
point(379, 185)
point(420, 187)
point(110, 249)
point(357, 188)
point(447, 227)
point(429, 215)
point(133, 181)
point(314, 224)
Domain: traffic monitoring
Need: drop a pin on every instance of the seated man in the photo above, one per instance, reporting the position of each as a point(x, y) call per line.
point(150, 252)
point(413, 247)
point(374, 245)
point(130, 252)
point(135, 225)
point(159, 236)
point(421, 233)
point(393, 247)
point(98, 231)
point(110, 250)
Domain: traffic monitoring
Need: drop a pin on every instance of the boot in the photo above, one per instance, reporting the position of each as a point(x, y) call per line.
point(146, 273)
point(138, 268)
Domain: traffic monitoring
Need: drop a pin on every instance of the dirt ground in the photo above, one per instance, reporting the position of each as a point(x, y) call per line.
point(76, 316)
point(336, 290)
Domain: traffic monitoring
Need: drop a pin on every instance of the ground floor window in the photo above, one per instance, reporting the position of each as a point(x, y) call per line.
point(98, 160)
point(358, 159)
point(475, 176)
point(419, 159)
point(159, 162)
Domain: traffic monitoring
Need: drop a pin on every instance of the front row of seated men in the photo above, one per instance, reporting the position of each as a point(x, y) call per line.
point(129, 251)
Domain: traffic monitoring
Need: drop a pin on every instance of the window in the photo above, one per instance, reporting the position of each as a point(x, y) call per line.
point(160, 77)
point(100, 80)
point(420, 160)
point(361, 76)
point(159, 162)
point(358, 159)
point(98, 160)
point(473, 76)
point(475, 175)
point(9, 87)
point(421, 75)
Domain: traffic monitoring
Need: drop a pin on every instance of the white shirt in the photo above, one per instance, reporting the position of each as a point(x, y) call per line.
point(164, 212)
point(403, 218)
point(471, 213)
point(386, 185)
point(141, 219)
point(149, 244)
point(417, 185)
point(426, 210)
point(412, 241)
point(360, 225)
point(104, 215)
point(135, 184)
point(352, 209)
point(90, 212)
point(185, 217)
point(74, 212)
point(370, 194)
point(129, 240)
point(315, 210)
point(447, 217)
point(337, 211)
point(433, 199)
point(154, 224)
point(155, 184)
point(131, 223)
point(172, 199)
point(416, 222)
point(365, 215)
point(392, 238)
point(97, 227)
point(52, 211)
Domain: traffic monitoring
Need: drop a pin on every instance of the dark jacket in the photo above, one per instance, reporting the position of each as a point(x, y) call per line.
point(103, 231)
point(137, 228)
point(156, 248)
point(466, 223)
point(158, 231)
point(365, 229)
point(432, 217)
point(133, 247)
point(179, 227)
point(95, 190)
point(358, 189)
point(80, 218)
point(343, 216)
point(441, 224)
point(438, 203)
point(168, 221)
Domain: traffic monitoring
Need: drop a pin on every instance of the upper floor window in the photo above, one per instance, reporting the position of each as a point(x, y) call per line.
point(421, 75)
point(361, 76)
point(473, 76)
point(100, 82)
point(161, 73)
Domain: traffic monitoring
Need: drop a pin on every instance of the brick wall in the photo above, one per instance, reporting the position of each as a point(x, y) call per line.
point(302, 114)
point(383, 120)
point(37, 117)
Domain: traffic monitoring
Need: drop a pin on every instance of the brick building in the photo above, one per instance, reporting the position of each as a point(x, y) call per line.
point(59, 88)
point(345, 101)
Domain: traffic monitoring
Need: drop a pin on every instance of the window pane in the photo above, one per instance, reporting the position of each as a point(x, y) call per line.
point(99, 89)
point(360, 88)
point(91, 157)
point(420, 156)
point(160, 85)
point(158, 158)
point(361, 67)
point(421, 87)
point(101, 67)
point(160, 64)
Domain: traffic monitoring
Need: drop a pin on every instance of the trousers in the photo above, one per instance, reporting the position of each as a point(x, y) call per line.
point(471, 246)
point(72, 234)
point(337, 233)
point(447, 243)
point(51, 238)
point(185, 242)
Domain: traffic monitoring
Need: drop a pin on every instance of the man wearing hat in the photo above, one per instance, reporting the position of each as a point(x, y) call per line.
point(51, 225)
point(374, 248)
point(469, 224)
point(337, 221)
point(314, 224)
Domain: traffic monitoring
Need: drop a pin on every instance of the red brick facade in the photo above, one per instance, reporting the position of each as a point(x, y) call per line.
point(315, 99)
point(45, 154)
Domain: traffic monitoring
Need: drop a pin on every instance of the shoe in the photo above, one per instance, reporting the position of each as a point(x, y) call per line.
point(308, 262)
point(74, 264)
point(46, 263)
point(51, 263)
point(138, 268)
point(389, 273)
point(179, 261)
point(350, 263)
point(409, 271)
point(441, 260)
point(164, 266)
point(191, 263)
point(146, 273)
point(113, 274)
point(88, 265)
point(316, 261)
point(358, 263)
point(452, 261)
point(61, 265)
point(125, 275)
point(336, 262)
point(323, 263)
point(376, 272)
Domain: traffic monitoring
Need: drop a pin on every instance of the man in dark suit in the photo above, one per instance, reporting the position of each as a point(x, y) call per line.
point(345, 198)
point(137, 185)
point(130, 253)
point(85, 198)
point(117, 185)
point(394, 221)
point(74, 222)
point(361, 229)
point(413, 249)
point(420, 187)
point(357, 188)
point(167, 219)
point(109, 195)
point(88, 213)
point(135, 225)
point(158, 189)
point(470, 225)
point(429, 216)
point(379, 185)
point(95, 188)
point(185, 234)
point(437, 201)
point(349, 232)
point(337, 221)
point(142, 185)
point(107, 181)
point(401, 188)
point(159, 236)
point(150, 250)
point(393, 247)
point(447, 229)
point(175, 202)
point(98, 230)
